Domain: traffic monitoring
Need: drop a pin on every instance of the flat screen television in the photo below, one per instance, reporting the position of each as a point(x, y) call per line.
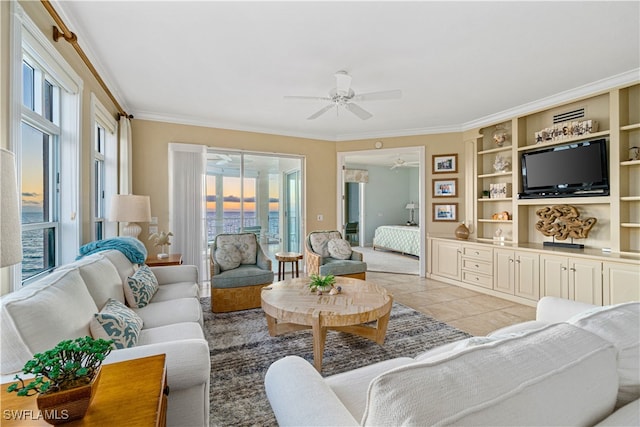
point(577, 169)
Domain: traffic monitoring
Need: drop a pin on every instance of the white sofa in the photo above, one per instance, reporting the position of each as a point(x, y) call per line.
point(62, 304)
point(575, 364)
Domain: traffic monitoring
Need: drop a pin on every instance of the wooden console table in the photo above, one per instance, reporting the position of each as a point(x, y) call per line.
point(130, 393)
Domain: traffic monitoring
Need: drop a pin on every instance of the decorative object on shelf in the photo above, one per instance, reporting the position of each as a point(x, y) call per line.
point(562, 222)
point(501, 164)
point(485, 194)
point(500, 135)
point(445, 212)
point(462, 232)
point(498, 236)
point(65, 378)
point(130, 208)
point(161, 239)
point(499, 190)
point(412, 208)
point(445, 163)
point(634, 153)
point(566, 130)
point(501, 216)
point(445, 187)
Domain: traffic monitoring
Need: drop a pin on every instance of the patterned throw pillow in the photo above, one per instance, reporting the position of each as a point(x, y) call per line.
point(117, 322)
point(320, 240)
point(228, 256)
point(140, 287)
point(339, 249)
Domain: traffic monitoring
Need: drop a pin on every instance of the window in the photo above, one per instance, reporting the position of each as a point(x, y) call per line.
point(104, 174)
point(44, 135)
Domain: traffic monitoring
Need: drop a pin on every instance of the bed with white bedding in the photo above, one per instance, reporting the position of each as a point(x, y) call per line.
point(399, 238)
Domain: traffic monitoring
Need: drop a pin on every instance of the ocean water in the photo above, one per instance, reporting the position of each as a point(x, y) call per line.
point(38, 246)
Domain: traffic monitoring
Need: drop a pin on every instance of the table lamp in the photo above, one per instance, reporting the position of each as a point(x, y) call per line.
point(10, 227)
point(412, 207)
point(131, 209)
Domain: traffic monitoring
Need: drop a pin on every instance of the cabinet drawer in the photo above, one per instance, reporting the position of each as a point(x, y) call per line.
point(477, 279)
point(478, 253)
point(477, 266)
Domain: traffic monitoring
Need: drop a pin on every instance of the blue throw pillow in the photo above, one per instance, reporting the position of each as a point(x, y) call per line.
point(117, 322)
point(140, 287)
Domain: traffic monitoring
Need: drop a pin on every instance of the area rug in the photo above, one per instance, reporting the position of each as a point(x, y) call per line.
point(389, 261)
point(242, 351)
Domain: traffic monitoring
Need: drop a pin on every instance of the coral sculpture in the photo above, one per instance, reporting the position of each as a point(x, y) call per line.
point(562, 222)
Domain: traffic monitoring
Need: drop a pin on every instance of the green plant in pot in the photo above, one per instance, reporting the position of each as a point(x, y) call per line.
point(65, 378)
point(321, 283)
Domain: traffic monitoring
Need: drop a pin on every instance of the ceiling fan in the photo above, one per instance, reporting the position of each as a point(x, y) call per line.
point(400, 163)
point(343, 96)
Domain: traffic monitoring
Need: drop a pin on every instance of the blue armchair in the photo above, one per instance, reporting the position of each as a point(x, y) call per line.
point(328, 253)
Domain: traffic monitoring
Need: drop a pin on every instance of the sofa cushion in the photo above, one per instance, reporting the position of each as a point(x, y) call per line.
point(340, 267)
point(320, 239)
point(559, 375)
point(246, 243)
point(117, 322)
point(619, 324)
point(176, 290)
point(168, 333)
point(36, 318)
point(628, 415)
point(164, 313)
point(140, 287)
point(339, 249)
point(125, 267)
point(101, 277)
point(228, 256)
point(245, 275)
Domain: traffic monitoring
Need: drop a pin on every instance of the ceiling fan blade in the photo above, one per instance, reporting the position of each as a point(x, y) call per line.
point(321, 112)
point(358, 111)
point(377, 96)
point(343, 82)
point(309, 98)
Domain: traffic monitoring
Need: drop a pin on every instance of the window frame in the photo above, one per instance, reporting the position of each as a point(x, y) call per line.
point(27, 41)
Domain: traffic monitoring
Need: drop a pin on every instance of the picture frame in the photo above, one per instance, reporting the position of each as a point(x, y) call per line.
point(445, 187)
point(445, 211)
point(445, 163)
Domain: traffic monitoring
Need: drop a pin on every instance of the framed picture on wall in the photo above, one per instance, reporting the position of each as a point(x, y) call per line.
point(445, 187)
point(445, 163)
point(445, 212)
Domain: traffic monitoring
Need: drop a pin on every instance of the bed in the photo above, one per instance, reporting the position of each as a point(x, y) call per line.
point(398, 238)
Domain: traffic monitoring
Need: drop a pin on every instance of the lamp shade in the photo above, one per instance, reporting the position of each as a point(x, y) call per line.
point(10, 228)
point(130, 208)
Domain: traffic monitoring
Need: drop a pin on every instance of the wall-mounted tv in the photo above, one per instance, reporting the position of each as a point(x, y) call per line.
point(577, 169)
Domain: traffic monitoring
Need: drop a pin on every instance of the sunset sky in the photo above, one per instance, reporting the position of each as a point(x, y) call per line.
point(231, 192)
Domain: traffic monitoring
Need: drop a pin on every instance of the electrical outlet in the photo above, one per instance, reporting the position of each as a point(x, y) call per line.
point(153, 229)
point(154, 220)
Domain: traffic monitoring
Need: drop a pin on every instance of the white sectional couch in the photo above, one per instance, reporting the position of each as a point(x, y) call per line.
point(62, 305)
point(575, 364)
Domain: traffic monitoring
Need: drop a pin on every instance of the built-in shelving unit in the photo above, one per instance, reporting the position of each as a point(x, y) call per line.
point(617, 112)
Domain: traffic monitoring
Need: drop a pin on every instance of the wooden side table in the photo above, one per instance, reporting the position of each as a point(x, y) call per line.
point(283, 258)
point(174, 259)
point(130, 393)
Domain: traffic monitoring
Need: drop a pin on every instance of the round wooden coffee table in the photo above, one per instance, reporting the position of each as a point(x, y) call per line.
point(290, 305)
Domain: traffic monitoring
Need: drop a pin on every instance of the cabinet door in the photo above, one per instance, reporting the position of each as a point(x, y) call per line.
point(503, 270)
point(527, 283)
point(585, 281)
point(621, 283)
point(554, 276)
point(446, 259)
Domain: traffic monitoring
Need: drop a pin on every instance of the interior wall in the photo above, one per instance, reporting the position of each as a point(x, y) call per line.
point(150, 166)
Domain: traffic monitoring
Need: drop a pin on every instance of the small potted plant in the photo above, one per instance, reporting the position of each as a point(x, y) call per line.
point(321, 283)
point(65, 378)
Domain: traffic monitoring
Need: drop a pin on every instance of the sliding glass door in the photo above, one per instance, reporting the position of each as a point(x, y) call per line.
point(258, 193)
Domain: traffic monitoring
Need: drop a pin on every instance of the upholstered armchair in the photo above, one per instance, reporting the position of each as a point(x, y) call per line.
point(328, 253)
point(239, 271)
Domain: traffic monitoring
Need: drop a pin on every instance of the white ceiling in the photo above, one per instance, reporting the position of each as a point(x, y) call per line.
point(458, 64)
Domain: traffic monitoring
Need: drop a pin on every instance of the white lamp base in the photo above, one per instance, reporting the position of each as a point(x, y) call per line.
point(163, 256)
point(132, 230)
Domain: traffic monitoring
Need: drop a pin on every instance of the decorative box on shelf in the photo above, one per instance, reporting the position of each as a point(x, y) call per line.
point(566, 130)
point(500, 190)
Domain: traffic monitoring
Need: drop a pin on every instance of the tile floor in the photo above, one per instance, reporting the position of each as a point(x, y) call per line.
point(473, 312)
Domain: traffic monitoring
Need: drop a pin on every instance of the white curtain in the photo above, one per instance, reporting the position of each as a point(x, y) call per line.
point(125, 156)
point(187, 204)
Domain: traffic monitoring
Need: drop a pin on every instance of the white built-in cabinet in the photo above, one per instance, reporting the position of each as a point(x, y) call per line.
point(517, 273)
point(445, 260)
point(571, 278)
point(621, 283)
